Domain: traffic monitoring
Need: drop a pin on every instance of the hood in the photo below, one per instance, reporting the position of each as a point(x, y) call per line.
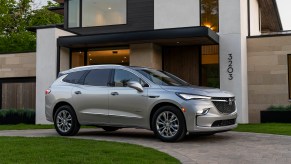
point(196, 90)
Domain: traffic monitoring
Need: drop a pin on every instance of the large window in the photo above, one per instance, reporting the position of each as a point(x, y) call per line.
point(289, 74)
point(74, 13)
point(209, 14)
point(103, 12)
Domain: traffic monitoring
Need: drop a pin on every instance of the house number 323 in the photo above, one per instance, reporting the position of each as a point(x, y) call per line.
point(230, 67)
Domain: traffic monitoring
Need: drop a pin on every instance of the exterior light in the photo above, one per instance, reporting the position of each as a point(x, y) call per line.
point(109, 8)
point(178, 42)
point(203, 111)
point(183, 110)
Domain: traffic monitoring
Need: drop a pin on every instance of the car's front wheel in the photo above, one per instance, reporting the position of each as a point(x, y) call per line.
point(168, 124)
point(65, 121)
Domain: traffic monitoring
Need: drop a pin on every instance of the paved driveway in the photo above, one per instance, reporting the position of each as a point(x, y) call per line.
point(224, 148)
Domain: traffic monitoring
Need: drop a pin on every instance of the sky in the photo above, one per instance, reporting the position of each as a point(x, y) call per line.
point(283, 6)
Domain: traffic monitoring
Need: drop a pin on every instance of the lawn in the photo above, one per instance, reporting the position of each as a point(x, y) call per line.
point(66, 150)
point(270, 128)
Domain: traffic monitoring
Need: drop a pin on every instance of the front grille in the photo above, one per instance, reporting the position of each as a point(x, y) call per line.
point(223, 123)
point(225, 105)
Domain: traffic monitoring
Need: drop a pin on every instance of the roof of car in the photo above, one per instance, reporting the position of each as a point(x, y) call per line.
point(82, 68)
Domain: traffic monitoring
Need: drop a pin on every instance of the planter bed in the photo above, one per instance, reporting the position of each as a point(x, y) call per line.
point(276, 116)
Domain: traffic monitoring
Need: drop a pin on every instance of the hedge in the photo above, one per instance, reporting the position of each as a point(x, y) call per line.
point(17, 116)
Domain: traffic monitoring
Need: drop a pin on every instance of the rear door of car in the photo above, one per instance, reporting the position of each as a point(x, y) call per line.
point(91, 97)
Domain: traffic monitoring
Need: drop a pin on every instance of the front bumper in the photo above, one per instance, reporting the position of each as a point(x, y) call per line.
point(213, 121)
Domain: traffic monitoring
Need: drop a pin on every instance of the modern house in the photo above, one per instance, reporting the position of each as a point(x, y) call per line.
point(235, 45)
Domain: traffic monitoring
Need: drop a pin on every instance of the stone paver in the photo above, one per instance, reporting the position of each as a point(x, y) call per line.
point(222, 148)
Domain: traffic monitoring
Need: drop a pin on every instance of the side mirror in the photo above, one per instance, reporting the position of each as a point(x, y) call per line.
point(135, 85)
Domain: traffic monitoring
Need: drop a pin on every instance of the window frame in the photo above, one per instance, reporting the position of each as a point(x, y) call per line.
point(81, 17)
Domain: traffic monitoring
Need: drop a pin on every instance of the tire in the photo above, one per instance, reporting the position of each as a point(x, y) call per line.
point(171, 129)
point(109, 129)
point(66, 122)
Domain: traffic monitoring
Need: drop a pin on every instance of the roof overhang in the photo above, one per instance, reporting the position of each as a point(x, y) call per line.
point(176, 36)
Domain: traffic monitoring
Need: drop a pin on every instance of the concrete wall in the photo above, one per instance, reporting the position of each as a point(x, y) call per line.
point(267, 73)
point(176, 13)
point(46, 66)
point(147, 55)
point(17, 65)
point(233, 23)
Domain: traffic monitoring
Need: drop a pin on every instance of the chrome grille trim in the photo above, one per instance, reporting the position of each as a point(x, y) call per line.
point(225, 105)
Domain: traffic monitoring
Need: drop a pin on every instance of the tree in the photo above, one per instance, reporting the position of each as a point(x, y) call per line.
point(15, 17)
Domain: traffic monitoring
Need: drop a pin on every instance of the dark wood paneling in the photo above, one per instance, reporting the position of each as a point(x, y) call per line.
point(140, 16)
point(17, 93)
point(18, 96)
point(183, 61)
point(271, 21)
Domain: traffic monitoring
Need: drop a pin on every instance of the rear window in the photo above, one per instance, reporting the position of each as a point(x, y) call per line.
point(98, 77)
point(74, 77)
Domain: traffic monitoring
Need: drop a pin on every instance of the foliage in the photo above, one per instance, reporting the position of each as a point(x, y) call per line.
point(25, 127)
point(16, 116)
point(269, 128)
point(279, 108)
point(16, 17)
point(68, 150)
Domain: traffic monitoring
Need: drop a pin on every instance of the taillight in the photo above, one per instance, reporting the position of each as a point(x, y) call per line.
point(48, 91)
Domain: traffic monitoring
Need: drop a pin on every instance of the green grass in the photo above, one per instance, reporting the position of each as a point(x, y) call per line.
point(66, 150)
point(269, 128)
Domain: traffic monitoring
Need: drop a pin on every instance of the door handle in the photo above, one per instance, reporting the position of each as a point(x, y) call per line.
point(78, 92)
point(114, 93)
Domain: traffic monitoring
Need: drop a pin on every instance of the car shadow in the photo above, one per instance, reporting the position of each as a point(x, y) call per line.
point(140, 134)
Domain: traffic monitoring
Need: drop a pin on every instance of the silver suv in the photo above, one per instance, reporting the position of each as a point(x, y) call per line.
point(114, 97)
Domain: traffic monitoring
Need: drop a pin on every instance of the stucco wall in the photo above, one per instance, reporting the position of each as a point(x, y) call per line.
point(176, 13)
point(267, 73)
point(17, 65)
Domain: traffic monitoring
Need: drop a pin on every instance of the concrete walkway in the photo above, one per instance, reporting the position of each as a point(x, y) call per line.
point(224, 148)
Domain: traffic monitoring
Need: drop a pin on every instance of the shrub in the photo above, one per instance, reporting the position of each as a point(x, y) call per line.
point(17, 116)
point(279, 108)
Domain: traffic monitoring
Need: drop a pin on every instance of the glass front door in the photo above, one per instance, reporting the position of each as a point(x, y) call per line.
point(118, 56)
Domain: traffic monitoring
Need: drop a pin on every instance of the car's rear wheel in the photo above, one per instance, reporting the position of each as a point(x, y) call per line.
point(65, 121)
point(168, 124)
point(110, 129)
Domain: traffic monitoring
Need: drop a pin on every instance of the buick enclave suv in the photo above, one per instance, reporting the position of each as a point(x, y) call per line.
point(114, 97)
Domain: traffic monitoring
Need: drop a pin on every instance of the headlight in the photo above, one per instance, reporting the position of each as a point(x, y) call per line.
point(192, 97)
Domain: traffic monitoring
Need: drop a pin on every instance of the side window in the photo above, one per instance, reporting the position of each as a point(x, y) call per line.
point(74, 77)
point(98, 77)
point(121, 77)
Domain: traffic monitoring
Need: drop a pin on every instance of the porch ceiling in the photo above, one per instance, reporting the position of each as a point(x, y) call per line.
point(176, 36)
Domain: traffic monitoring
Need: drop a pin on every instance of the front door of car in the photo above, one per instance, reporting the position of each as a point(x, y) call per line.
point(91, 98)
point(127, 106)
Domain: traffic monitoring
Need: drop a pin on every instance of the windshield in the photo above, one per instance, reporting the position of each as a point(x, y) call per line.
point(162, 77)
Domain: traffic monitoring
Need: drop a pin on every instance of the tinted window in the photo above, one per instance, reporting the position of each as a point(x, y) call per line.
point(162, 77)
point(74, 77)
point(121, 78)
point(98, 77)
